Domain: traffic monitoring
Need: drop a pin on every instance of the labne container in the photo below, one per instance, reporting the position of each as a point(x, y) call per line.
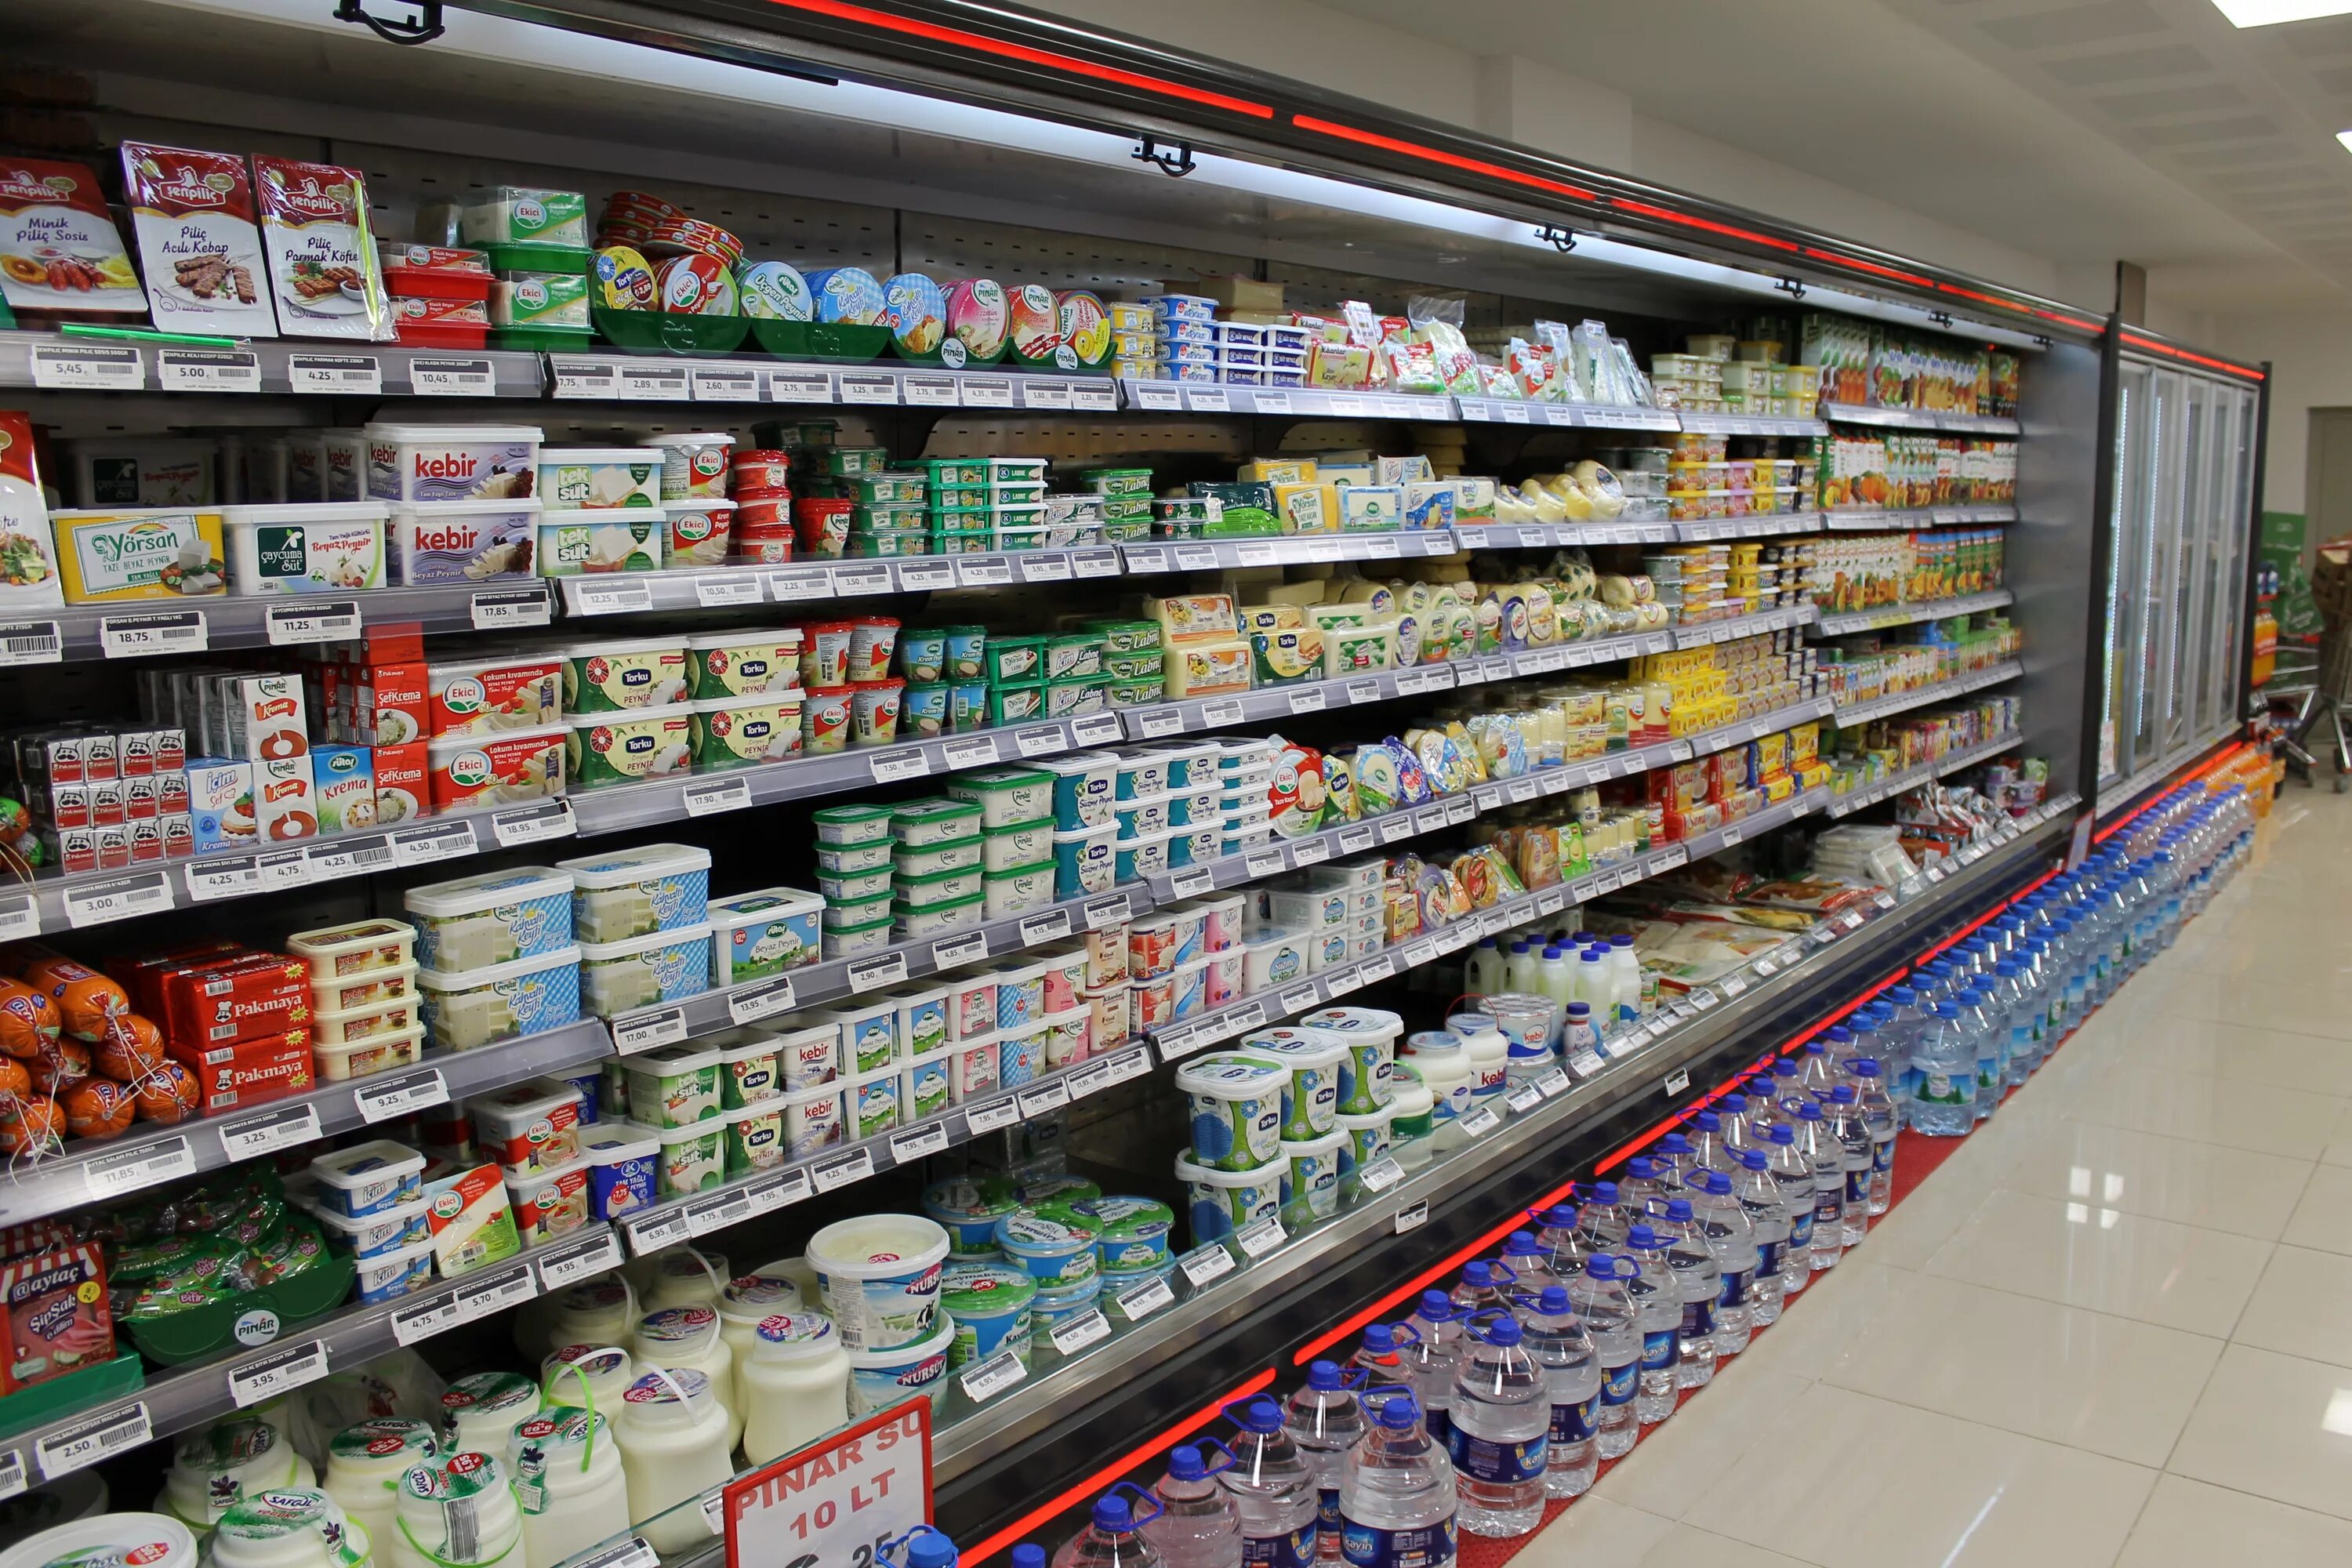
point(967, 1208)
point(989, 1304)
point(756, 935)
point(1223, 1202)
point(1319, 1064)
point(1238, 1104)
point(1053, 1244)
point(1315, 1169)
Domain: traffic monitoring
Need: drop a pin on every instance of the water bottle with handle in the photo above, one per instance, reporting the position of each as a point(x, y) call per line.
point(1380, 1358)
point(1198, 1525)
point(1657, 1299)
point(1767, 1208)
point(1699, 1284)
point(1433, 1359)
point(1794, 1176)
point(1564, 1251)
point(1485, 1283)
point(1112, 1536)
point(1272, 1490)
point(1501, 1431)
point(1326, 1422)
point(1557, 1340)
point(1607, 1312)
point(1720, 1221)
point(1826, 1157)
point(1882, 1123)
point(1841, 1114)
point(1397, 1497)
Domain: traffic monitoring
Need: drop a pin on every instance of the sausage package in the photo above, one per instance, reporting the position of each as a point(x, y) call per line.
point(59, 250)
point(58, 1317)
point(193, 214)
point(323, 264)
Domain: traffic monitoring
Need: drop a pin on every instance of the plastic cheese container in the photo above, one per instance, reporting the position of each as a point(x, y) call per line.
point(363, 1025)
point(368, 1178)
point(645, 971)
point(492, 917)
point(529, 1129)
point(372, 1054)
point(635, 892)
point(758, 934)
point(476, 1007)
point(674, 1086)
point(324, 549)
point(354, 949)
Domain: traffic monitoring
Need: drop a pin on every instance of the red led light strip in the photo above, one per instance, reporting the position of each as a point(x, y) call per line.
point(2191, 775)
point(2136, 340)
point(1438, 155)
point(1004, 50)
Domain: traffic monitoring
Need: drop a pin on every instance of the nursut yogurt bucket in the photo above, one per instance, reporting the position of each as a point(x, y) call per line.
point(880, 1278)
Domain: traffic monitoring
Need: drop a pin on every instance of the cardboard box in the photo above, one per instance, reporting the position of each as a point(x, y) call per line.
point(252, 1072)
point(272, 719)
point(284, 800)
point(244, 999)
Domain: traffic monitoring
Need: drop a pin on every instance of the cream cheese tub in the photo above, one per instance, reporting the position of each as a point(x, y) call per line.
point(601, 477)
point(1223, 1202)
point(1131, 1232)
point(1006, 797)
point(673, 1086)
point(749, 1071)
point(380, 1051)
point(451, 462)
point(645, 971)
point(1238, 1104)
point(874, 1104)
point(527, 1128)
point(747, 663)
point(1315, 1170)
point(481, 1006)
point(968, 1208)
point(601, 543)
point(492, 917)
point(813, 1120)
point(693, 1159)
point(694, 466)
point(755, 1139)
point(368, 1179)
point(880, 1379)
point(880, 1278)
point(635, 747)
point(1012, 848)
point(1053, 1244)
point(463, 544)
point(727, 733)
point(808, 1053)
point(988, 1305)
point(635, 892)
point(108, 1541)
point(622, 1157)
point(1084, 861)
point(613, 677)
point(388, 1230)
point(1320, 1066)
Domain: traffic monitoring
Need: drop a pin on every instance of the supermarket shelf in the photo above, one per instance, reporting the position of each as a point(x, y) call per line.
point(151, 628)
point(1216, 397)
point(1217, 554)
point(1756, 526)
point(1752, 425)
point(1875, 518)
point(611, 809)
point(93, 1171)
point(1701, 633)
point(757, 379)
point(59, 363)
point(1919, 419)
point(1911, 615)
point(836, 978)
point(1912, 777)
point(1563, 415)
point(674, 1220)
point(1551, 535)
point(1880, 707)
point(810, 582)
point(68, 903)
point(186, 1397)
point(1272, 703)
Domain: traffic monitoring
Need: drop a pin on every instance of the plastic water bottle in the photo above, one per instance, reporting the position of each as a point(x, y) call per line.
point(1879, 1116)
point(1699, 1284)
point(2006, 1006)
point(1767, 1208)
point(1112, 1536)
point(1433, 1360)
point(1816, 1074)
point(1397, 1500)
point(1272, 1490)
point(1787, 1093)
point(1898, 1037)
point(1564, 1251)
point(1501, 1435)
point(1677, 1160)
point(1638, 1191)
point(1986, 1034)
point(1731, 1112)
point(1380, 1357)
point(1198, 1525)
point(1657, 1301)
point(1483, 1284)
point(1943, 1077)
point(1794, 1176)
point(1607, 1312)
point(1721, 1222)
point(1527, 1263)
point(1842, 1116)
point(1826, 1158)
point(1557, 1341)
point(1325, 1422)
point(1602, 1219)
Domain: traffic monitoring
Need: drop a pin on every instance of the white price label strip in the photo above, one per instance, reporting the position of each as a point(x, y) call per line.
point(1204, 1264)
point(1141, 1302)
point(581, 1262)
point(1481, 1121)
point(86, 1442)
point(280, 1372)
point(113, 1176)
point(1380, 1174)
point(250, 1137)
point(411, 1091)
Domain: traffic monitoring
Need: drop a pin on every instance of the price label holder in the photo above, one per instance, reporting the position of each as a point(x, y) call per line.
point(1140, 1302)
point(1585, 1064)
point(1192, 882)
point(453, 378)
point(1094, 561)
point(334, 620)
point(434, 842)
point(652, 1233)
point(1480, 1122)
point(644, 1031)
point(797, 385)
point(725, 383)
point(725, 590)
point(73, 367)
point(1107, 911)
point(1046, 566)
point(1204, 1265)
point(335, 375)
point(717, 1212)
point(31, 642)
point(534, 824)
point(227, 877)
point(917, 1143)
point(165, 631)
point(716, 796)
point(1522, 1098)
point(128, 1171)
point(955, 951)
point(1310, 852)
point(85, 1443)
point(1048, 740)
point(1090, 1327)
point(279, 1371)
point(762, 999)
point(995, 1116)
point(1094, 730)
point(1256, 1240)
point(1043, 1099)
point(12, 1474)
point(510, 609)
point(250, 1137)
point(802, 582)
point(1046, 925)
point(580, 1260)
point(402, 1094)
point(869, 388)
point(768, 1194)
point(1552, 1083)
point(983, 1381)
point(831, 1175)
point(896, 767)
point(208, 370)
point(1413, 1217)
point(1678, 1080)
point(872, 972)
point(1380, 1174)
point(353, 857)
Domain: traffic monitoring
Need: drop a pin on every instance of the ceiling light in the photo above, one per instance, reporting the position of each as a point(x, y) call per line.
point(2264, 13)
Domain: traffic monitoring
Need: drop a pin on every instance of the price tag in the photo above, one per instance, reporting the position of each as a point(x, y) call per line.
point(979, 752)
point(343, 375)
point(511, 609)
point(919, 576)
point(12, 1474)
point(1091, 1079)
point(658, 383)
point(1195, 558)
point(1204, 1264)
point(582, 1261)
point(1098, 561)
point(585, 378)
point(277, 869)
point(1208, 400)
point(1734, 984)
point(1307, 700)
point(749, 1004)
point(452, 378)
point(1040, 743)
point(353, 857)
point(475, 1301)
point(1372, 970)
point(1731, 838)
point(1310, 852)
point(1522, 1098)
point(1146, 558)
point(644, 1031)
point(86, 1442)
point(1256, 1240)
point(534, 824)
point(983, 1381)
point(141, 637)
point(401, 1095)
point(1678, 1080)
point(1156, 722)
point(1111, 911)
point(1552, 1083)
point(1074, 1334)
point(801, 584)
point(1043, 1099)
point(721, 590)
point(881, 969)
point(31, 642)
point(1262, 863)
point(230, 876)
point(117, 899)
point(208, 370)
point(1551, 902)
point(1481, 1121)
point(1046, 566)
point(993, 1117)
point(717, 795)
point(1355, 838)
point(1421, 950)
point(1094, 730)
point(250, 1137)
point(1380, 1174)
point(1140, 1302)
point(1133, 1062)
point(930, 390)
point(111, 1175)
point(830, 1175)
point(891, 767)
point(1192, 882)
point(651, 1234)
point(1587, 1063)
point(305, 622)
point(798, 385)
point(1046, 925)
point(440, 841)
point(913, 1144)
point(70, 367)
point(1364, 692)
point(771, 1193)
point(857, 388)
point(280, 1372)
point(1429, 819)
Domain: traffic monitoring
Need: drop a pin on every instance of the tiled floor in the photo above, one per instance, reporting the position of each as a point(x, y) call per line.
point(2114, 1328)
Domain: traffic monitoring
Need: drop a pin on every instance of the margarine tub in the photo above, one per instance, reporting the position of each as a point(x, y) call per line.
point(1223, 1202)
point(1006, 796)
point(925, 1088)
point(632, 892)
point(1238, 1104)
point(937, 859)
point(1084, 861)
point(1018, 890)
point(880, 1278)
point(988, 1303)
point(496, 1002)
point(613, 677)
point(1315, 1169)
point(840, 827)
point(747, 663)
point(1053, 1242)
point(693, 1158)
point(969, 1208)
point(921, 824)
point(1131, 1232)
point(645, 971)
point(1319, 1064)
point(756, 935)
point(1084, 784)
point(490, 918)
point(314, 549)
point(673, 1086)
point(601, 477)
point(633, 747)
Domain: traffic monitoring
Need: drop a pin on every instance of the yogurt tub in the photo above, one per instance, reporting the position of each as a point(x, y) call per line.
point(693, 1158)
point(614, 676)
point(1133, 859)
point(637, 892)
point(552, 1204)
point(386, 1230)
point(1318, 1063)
point(527, 1128)
point(931, 860)
point(921, 1020)
point(747, 663)
point(925, 824)
point(601, 477)
point(1053, 1308)
point(847, 824)
point(1132, 1236)
point(972, 1006)
point(1372, 1036)
point(1020, 992)
point(1069, 1035)
point(881, 1379)
point(700, 531)
point(1273, 958)
point(492, 917)
point(1010, 848)
point(813, 1120)
point(1141, 815)
point(1316, 1169)
point(645, 971)
point(988, 1304)
point(372, 1054)
point(1367, 1138)
point(758, 934)
point(1084, 861)
point(1020, 1056)
point(1105, 953)
point(693, 466)
point(1223, 1202)
point(1106, 1019)
point(923, 1085)
point(923, 654)
point(1065, 977)
point(673, 1086)
point(1018, 890)
point(872, 1103)
point(755, 1139)
point(973, 1067)
point(1189, 989)
point(874, 712)
point(1054, 1244)
point(880, 1279)
point(807, 1053)
point(727, 732)
point(852, 859)
point(968, 1208)
point(601, 749)
point(1410, 1134)
point(481, 1006)
point(1008, 796)
point(1238, 1105)
point(622, 1158)
point(1159, 941)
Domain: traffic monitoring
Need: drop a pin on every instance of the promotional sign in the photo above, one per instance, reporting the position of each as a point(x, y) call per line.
point(833, 1504)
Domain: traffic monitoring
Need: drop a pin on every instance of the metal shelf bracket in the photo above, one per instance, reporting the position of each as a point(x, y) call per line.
point(421, 29)
point(1175, 164)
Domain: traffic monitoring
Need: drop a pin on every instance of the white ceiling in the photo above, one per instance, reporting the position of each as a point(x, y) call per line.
point(2079, 131)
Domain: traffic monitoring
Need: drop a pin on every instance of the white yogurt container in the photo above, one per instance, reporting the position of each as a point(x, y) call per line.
point(477, 1008)
point(1372, 1035)
point(493, 917)
point(1223, 1202)
point(1273, 958)
point(693, 1158)
point(637, 892)
point(879, 1379)
point(451, 462)
point(1238, 1104)
point(813, 1120)
point(880, 1278)
point(328, 549)
point(1319, 1062)
point(645, 971)
point(1315, 1171)
point(601, 477)
point(808, 1054)
point(1368, 1136)
point(369, 1178)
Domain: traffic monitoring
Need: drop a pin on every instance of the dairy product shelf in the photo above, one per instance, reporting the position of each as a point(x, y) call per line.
point(1914, 776)
point(1556, 535)
point(1854, 713)
point(1875, 520)
point(145, 628)
point(631, 378)
point(1563, 415)
point(134, 361)
point(1838, 625)
point(1217, 554)
point(1218, 397)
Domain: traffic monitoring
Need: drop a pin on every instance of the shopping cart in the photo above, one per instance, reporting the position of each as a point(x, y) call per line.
point(2320, 709)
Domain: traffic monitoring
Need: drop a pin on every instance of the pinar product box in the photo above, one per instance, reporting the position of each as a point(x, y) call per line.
point(271, 717)
point(403, 782)
point(58, 1316)
point(285, 799)
point(251, 1072)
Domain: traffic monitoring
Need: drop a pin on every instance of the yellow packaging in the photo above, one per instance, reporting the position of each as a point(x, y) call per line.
point(1278, 471)
point(1271, 617)
point(1307, 507)
point(1188, 616)
point(1209, 666)
point(1279, 657)
point(107, 557)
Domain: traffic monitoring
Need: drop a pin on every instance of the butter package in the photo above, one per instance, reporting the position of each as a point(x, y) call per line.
point(1306, 508)
point(1411, 470)
point(1209, 666)
point(1278, 471)
point(1355, 650)
point(1370, 509)
point(1189, 616)
point(1428, 504)
point(1286, 654)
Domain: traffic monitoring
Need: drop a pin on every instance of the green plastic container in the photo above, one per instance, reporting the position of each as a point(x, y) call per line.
point(669, 332)
point(819, 340)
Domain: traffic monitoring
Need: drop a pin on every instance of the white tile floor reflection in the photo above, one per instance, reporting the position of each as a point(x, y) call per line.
point(2115, 1328)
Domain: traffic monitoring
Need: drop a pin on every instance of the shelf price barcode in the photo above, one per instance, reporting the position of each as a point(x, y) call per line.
point(86, 1443)
point(280, 1372)
point(1089, 1327)
point(991, 1377)
point(1258, 1239)
point(1203, 1263)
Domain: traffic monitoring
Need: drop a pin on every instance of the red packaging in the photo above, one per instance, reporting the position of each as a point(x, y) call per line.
point(142, 977)
point(171, 748)
point(71, 848)
point(58, 1317)
point(171, 793)
point(389, 706)
point(107, 807)
point(760, 468)
point(137, 754)
point(178, 830)
point(113, 848)
point(822, 522)
point(199, 247)
point(403, 786)
point(242, 1000)
point(146, 840)
point(101, 758)
point(473, 771)
point(63, 806)
point(139, 801)
point(254, 1072)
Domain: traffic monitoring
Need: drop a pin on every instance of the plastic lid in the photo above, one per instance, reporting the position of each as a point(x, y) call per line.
point(1600, 1266)
point(1323, 1376)
point(1621, 940)
point(1717, 1183)
point(1502, 1330)
point(1843, 1094)
point(1578, 1010)
point(1399, 1412)
point(1184, 1463)
point(1753, 1159)
point(1028, 1554)
point(1642, 1238)
point(1478, 1276)
point(1559, 1216)
point(1863, 1067)
point(791, 1336)
point(1263, 1416)
point(1553, 1301)
point(1675, 1144)
point(1436, 1306)
point(1947, 1010)
point(1902, 995)
point(1521, 1244)
point(1111, 1513)
point(654, 1396)
point(1678, 1210)
point(1839, 1033)
point(1708, 1122)
point(1808, 1112)
point(929, 1548)
point(1781, 1133)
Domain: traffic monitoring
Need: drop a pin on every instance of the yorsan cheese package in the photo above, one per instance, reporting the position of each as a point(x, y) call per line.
point(1278, 471)
point(1306, 508)
point(148, 553)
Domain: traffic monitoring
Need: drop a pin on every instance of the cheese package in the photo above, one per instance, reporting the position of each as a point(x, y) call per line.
point(1306, 507)
point(1193, 615)
point(1287, 654)
point(1271, 617)
point(153, 553)
point(1354, 612)
point(1403, 470)
point(1474, 500)
point(1207, 666)
point(1429, 503)
point(1370, 508)
point(1354, 650)
point(1344, 474)
point(1343, 364)
point(1278, 471)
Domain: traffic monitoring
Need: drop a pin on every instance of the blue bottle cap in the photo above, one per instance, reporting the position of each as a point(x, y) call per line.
point(1839, 1034)
point(1753, 1159)
point(1947, 1010)
point(1843, 1094)
point(1780, 1133)
point(1028, 1554)
point(1580, 1010)
point(1642, 1238)
point(1863, 1067)
point(1323, 1376)
point(1379, 1340)
point(1264, 1416)
point(1678, 1210)
point(1111, 1513)
point(1478, 1277)
point(1734, 1104)
point(1600, 1266)
point(1184, 1463)
point(1717, 1183)
point(1604, 1192)
point(1553, 1301)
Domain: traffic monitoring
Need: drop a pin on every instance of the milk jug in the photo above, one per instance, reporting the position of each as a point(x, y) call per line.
point(457, 1512)
point(365, 1464)
point(674, 1448)
point(796, 1380)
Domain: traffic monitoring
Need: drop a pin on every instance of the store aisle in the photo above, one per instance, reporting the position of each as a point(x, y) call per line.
point(2115, 1327)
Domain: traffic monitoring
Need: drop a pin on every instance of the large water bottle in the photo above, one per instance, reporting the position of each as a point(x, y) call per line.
point(1557, 1340)
point(1564, 1251)
point(1677, 1159)
point(2075, 942)
point(1608, 1315)
point(1816, 1074)
point(1657, 1299)
point(1325, 1422)
point(1198, 1525)
point(1825, 1157)
point(1699, 1285)
point(1380, 1357)
point(1397, 1501)
point(1841, 1114)
point(1943, 1077)
point(1708, 1153)
point(1602, 1219)
point(1767, 1207)
point(1738, 1131)
point(1794, 1175)
point(2007, 1008)
point(1898, 1037)
point(1639, 1189)
point(2166, 887)
point(1721, 1222)
point(1529, 1264)
point(1501, 1434)
point(1883, 1122)
point(1987, 1033)
point(1483, 1284)
point(1112, 1536)
point(1433, 1360)
point(1273, 1491)
point(2034, 979)
point(1837, 1043)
